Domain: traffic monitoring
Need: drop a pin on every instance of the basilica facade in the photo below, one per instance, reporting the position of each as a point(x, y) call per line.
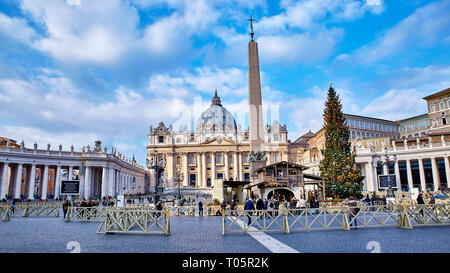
point(218, 148)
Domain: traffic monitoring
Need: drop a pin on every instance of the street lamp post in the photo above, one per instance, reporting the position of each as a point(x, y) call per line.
point(386, 162)
point(180, 177)
point(158, 164)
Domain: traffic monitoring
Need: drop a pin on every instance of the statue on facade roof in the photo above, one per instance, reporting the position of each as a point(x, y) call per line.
point(88, 148)
point(35, 146)
point(48, 147)
point(105, 149)
point(22, 144)
point(72, 148)
point(83, 149)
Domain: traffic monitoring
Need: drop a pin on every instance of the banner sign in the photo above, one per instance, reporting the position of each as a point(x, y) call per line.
point(70, 187)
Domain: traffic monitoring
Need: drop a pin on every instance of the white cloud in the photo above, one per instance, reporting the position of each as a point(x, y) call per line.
point(422, 28)
point(16, 28)
point(304, 47)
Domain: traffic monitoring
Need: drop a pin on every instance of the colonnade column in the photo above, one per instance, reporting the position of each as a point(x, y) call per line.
point(105, 182)
point(4, 180)
point(18, 182)
point(44, 183)
point(112, 182)
point(397, 175)
point(87, 182)
point(70, 173)
point(409, 174)
point(374, 177)
point(57, 180)
point(369, 177)
point(82, 180)
point(32, 182)
point(447, 170)
point(422, 175)
point(435, 171)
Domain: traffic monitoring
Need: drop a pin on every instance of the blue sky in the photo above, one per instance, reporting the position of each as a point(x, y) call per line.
point(74, 71)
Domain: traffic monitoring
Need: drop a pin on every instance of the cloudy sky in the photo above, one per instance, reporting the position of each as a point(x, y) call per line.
point(74, 71)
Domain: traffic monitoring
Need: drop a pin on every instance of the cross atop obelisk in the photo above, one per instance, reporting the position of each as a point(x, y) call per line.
point(251, 26)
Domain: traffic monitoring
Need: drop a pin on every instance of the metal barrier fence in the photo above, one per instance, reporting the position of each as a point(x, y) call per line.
point(26, 209)
point(346, 218)
point(143, 220)
point(83, 214)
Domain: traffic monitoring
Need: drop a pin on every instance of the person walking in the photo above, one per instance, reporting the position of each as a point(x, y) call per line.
point(249, 207)
point(353, 209)
point(232, 206)
point(65, 206)
point(259, 206)
point(200, 208)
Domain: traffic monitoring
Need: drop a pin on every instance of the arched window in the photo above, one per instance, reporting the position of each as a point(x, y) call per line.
point(192, 159)
point(208, 160)
point(219, 159)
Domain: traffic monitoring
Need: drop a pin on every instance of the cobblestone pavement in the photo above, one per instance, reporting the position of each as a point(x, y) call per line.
point(204, 235)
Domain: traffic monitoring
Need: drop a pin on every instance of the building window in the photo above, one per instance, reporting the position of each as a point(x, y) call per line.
point(160, 139)
point(192, 159)
point(245, 158)
point(432, 108)
point(219, 158)
point(442, 105)
point(277, 157)
point(208, 160)
point(275, 137)
point(230, 158)
point(444, 121)
point(178, 160)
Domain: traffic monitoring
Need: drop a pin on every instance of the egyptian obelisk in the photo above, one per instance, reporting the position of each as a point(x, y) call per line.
point(256, 126)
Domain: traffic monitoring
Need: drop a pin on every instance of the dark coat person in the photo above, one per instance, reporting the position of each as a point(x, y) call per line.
point(259, 204)
point(249, 206)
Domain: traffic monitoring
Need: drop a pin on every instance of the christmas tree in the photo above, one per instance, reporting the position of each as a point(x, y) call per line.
point(338, 167)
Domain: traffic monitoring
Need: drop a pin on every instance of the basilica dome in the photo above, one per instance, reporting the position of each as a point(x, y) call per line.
point(216, 118)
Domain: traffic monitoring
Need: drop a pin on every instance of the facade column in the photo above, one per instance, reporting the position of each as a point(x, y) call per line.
point(241, 178)
point(213, 169)
point(447, 170)
point(409, 174)
point(186, 168)
point(18, 182)
point(105, 182)
point(227, 167)
point(422, 175)
point(435, 171)
point(236, 167)
point(87, 183)
point(199, 170)
point(32, 182)
point(204, 170)
point(57, 181)
point(397, 175)
point(44, 183)
point(4, 180)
